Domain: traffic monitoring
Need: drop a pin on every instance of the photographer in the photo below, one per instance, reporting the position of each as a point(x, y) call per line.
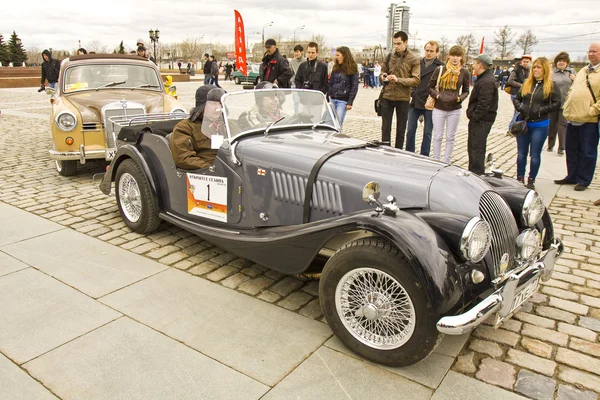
point(50, 71)
point(312, 74)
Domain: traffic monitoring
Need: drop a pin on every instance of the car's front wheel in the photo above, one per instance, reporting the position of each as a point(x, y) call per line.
point(374, 303)
point(66, 167)
point(134, 198)
point(236, 80)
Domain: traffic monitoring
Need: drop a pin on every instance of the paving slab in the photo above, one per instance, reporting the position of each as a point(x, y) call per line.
point(17, 225)
point(10, 264)
point(96, 268)
point(328, 374)
point(15, 384)
point(127, 360)
point(458, 386)
point(428, 372)
point(38, 313)
point(259, 339)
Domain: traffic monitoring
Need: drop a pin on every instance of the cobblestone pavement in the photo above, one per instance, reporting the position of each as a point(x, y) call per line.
point(549, 350)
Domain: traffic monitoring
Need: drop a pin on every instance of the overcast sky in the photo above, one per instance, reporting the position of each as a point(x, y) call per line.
point(559, 25)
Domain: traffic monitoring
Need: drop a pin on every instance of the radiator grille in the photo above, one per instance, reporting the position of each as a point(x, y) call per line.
point(497, 213)
point(110, 127)
point(326, 197)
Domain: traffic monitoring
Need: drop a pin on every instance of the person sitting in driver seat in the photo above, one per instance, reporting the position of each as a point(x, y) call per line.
point(266, 110)
point(191, 139)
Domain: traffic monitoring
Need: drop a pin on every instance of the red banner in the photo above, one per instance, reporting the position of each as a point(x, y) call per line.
point(481, 48)
point(240, 46)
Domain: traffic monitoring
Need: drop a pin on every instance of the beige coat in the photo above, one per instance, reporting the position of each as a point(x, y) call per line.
point(407, 67)
point(579, 105)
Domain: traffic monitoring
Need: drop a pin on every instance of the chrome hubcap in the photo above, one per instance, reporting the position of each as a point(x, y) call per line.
point(129, 197)
point(375, 308)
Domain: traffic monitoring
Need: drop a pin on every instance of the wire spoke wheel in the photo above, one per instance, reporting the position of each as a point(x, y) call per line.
point(130, 198)
point(375, 308)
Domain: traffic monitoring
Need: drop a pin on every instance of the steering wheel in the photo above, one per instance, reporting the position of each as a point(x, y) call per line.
point(301, 118)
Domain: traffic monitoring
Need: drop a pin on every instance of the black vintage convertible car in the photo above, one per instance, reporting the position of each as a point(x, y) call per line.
point(443, 252)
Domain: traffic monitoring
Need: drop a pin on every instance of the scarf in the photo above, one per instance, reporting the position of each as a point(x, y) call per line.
point(449, 79)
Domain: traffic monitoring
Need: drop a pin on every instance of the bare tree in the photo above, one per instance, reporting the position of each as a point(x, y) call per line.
point(526, 41)
point(324, 48)
point(503, 42)
point(469, 43)
point(444, 48)
point(34, 55)
point(97, 47)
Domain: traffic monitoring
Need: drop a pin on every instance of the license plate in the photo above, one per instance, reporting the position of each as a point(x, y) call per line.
point(528, 291)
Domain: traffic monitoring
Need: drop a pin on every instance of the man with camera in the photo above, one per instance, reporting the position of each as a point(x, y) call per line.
point(400, 73)
point(312, 74)
point(50, 71)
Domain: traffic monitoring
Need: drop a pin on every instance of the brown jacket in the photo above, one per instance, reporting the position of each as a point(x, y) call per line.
point(447, 99)
point(579, 105)
point(407, 67)
point(190, 147)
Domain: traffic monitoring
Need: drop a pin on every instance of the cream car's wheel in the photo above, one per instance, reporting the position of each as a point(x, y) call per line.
point(134, 198)
point(374, 303)
point(66, 167)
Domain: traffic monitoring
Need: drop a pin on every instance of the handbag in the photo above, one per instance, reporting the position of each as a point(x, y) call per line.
point(377, 102)
point(507, 89)
point(430, 103)
point(519, 128)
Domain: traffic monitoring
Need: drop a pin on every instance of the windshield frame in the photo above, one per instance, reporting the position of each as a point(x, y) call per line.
point(278, 126)
point(69, 69)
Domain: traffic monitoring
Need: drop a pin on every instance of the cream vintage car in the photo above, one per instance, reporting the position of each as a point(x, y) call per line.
point(92, 89)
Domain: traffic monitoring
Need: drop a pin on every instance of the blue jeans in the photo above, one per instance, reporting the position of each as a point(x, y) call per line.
point(531, 144)
point(581, 148)
point(340, 109)
point(207, 79)
point(52, 85)
point(411, 132)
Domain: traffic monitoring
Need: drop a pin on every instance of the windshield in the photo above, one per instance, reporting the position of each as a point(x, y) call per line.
point(99, 76)
point(258, 109)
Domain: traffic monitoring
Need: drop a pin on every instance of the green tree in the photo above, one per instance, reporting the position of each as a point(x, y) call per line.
point(4, 58)
point(121, 49)
point(16, 50)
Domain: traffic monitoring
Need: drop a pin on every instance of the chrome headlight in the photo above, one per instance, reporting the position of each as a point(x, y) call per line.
point(476, 239)
point(533, 208)
point(177, 110)
point(529, 243)
point(66, 121)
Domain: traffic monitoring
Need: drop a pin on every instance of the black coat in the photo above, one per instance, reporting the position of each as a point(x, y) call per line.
point(343, 87)
point(534, 106)
point(483, 103)
point(313, 74)
point(207, 65)
point(276, 68)
point(50, 70)
point(419, 94)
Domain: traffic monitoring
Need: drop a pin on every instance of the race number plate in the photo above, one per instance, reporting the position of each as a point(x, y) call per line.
point(528, 291)
point(207, 196)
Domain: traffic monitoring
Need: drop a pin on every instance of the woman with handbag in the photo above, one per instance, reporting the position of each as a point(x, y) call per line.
point(536, 99)
point(448, 87)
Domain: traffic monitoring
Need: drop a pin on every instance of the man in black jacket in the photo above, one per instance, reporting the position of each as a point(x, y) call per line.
point(275, 68)
point(207, 69)
point(50, 70)
point(312, 74)
point(418, 98)
point(482, 110)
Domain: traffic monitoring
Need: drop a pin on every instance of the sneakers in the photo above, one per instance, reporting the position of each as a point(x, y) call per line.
point(530, 184)
point(560, 152)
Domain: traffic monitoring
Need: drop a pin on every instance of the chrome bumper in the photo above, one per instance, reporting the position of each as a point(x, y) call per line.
point(82, 155)
point(501, 301)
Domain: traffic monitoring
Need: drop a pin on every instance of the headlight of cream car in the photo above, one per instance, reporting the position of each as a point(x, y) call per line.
point(529, 243)
point(476, 239)
point(66, 121)
point(533, 208)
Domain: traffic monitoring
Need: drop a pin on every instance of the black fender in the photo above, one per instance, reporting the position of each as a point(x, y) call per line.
point(128, 151)
point(292, 249)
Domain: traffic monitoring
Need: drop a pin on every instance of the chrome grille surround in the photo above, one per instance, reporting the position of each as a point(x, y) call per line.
point(494, 210)
point(117, 109)
point(326, 197)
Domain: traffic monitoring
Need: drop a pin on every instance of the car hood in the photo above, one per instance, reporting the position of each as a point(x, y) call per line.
point(90, 103)
point(290, 156)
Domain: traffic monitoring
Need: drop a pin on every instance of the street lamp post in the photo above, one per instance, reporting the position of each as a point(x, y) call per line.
point(263, 31)
point(154, 38)
point(297, 29)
